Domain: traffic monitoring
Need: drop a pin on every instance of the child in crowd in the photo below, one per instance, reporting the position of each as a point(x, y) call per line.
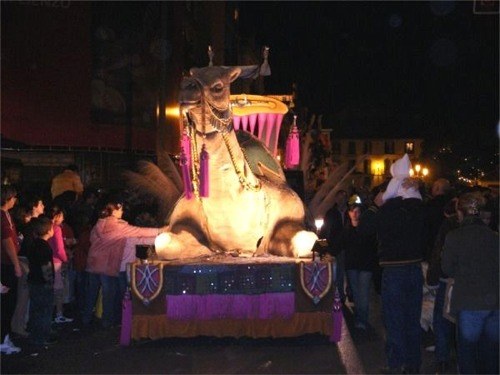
point(59, 257)
point(41, 282)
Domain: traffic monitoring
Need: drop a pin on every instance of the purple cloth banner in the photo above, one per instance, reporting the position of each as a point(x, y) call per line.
point(230, 306)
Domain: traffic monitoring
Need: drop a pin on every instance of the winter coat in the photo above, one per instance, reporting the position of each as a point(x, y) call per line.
point(107, 242)
point(470, 256)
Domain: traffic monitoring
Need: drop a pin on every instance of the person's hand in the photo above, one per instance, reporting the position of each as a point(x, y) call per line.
point(410, 182)
point(379, 199)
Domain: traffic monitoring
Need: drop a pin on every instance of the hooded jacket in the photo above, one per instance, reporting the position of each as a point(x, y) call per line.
point(107, 242)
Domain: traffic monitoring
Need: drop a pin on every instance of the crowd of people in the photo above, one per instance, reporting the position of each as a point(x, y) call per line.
point(404, 239)
point(66, 248)
point(62, 250)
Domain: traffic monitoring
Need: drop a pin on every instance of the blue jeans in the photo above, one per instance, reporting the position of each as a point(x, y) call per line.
point(478, 341)
point(443, 328)
point(360, 283)
point(111, 302)
point(40, 312)
point(402, 307)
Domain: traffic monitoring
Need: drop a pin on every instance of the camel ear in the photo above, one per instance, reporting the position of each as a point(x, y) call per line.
point(193, 71)
point(234, 73)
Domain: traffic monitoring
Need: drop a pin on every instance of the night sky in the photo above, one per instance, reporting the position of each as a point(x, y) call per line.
point(426, 69)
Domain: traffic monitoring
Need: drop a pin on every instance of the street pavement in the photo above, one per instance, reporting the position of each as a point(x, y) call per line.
point(97, 351)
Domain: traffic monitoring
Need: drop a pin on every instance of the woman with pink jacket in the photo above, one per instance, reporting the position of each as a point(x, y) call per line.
point(107, 242)
point(59, 257)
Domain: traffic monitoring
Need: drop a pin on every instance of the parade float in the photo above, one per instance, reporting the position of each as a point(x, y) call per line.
point(237, 258)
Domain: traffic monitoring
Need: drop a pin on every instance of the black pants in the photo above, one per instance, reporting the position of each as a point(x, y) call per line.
point(9, 299)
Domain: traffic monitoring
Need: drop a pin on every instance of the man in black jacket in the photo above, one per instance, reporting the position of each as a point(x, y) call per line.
point(399, 223)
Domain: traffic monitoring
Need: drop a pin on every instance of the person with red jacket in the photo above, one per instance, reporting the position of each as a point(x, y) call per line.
point(10, 267)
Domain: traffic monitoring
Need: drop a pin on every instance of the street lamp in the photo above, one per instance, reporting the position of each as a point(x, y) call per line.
point(419, 171)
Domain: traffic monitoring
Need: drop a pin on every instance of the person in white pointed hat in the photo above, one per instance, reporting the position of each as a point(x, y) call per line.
point(400, 172)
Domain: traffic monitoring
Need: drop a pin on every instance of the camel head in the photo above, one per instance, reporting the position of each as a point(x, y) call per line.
point(204, 98)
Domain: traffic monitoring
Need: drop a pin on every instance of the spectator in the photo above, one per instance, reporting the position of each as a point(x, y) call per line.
point(360, 262)
point(83, 211)
point(107, 240)
point(32, 209)
point(41, 282)
point(10, 267)
point(336, 219)
point(59, 256)
point(434, 210)
point(471, 257)
point(436, 278)
point(69, 179)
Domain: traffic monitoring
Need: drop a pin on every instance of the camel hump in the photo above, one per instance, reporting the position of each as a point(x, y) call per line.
point(259, 158)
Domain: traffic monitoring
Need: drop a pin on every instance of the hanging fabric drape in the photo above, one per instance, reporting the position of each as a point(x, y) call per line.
point(292, 150)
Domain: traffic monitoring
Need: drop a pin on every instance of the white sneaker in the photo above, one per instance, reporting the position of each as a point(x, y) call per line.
point(62, 319)
point(8, 347)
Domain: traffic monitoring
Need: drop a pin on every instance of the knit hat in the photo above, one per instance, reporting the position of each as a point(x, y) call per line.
point(400, 170)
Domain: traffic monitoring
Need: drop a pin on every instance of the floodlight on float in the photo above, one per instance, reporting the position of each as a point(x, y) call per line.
point(162, 241)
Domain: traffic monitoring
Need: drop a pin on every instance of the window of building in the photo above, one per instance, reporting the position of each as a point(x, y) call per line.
point(352, 148)
point(387, 166)
point(367, 149)
point(367, 166)
point(352, 163)
point(389, 147)
point(336, 147)
point(409, 147)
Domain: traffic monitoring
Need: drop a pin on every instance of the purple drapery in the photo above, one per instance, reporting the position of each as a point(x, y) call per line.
point(230, 306)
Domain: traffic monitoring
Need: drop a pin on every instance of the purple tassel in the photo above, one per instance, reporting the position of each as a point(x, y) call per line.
point(126, 331)
point(186, 145)
point(336, 334)
point(204, 174)
point(186, 176)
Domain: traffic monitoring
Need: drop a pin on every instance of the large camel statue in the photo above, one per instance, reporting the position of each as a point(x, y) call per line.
point(246, 213)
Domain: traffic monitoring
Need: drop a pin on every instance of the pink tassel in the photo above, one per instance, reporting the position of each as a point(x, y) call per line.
point(204, 173)
point(292, 151)
point(126, 331)
point(236, 122)
point(337, 317)
point(186, 176)
point(253, 121)
point(186, 145)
